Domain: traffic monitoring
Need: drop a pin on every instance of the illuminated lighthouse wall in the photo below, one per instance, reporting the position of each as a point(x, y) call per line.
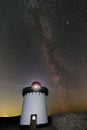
point(34, 104)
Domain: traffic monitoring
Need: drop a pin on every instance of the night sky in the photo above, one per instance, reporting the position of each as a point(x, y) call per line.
point(43, 40)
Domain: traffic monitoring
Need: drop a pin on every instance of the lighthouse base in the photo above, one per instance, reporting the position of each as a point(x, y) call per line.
point(28, 127)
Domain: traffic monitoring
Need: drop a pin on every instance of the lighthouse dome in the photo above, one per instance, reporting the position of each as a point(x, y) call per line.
point(36, 85)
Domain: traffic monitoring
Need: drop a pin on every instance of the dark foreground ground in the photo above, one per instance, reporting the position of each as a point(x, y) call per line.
point(16, 128)
point(12, 123)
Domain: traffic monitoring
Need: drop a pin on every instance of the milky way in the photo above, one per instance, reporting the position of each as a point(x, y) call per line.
point(63, 40)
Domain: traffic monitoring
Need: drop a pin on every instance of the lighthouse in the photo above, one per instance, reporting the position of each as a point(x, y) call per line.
point(34, 105)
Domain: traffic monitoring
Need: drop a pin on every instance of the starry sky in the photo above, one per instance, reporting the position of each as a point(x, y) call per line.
point(43, 40)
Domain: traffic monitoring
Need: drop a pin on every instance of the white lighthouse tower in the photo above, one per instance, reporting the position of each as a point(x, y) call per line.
point(34, 105)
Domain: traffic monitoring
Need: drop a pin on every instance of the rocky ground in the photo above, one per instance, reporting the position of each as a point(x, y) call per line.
point(70, 121)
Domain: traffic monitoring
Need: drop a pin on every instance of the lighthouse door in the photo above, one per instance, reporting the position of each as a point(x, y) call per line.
point(33, 122)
